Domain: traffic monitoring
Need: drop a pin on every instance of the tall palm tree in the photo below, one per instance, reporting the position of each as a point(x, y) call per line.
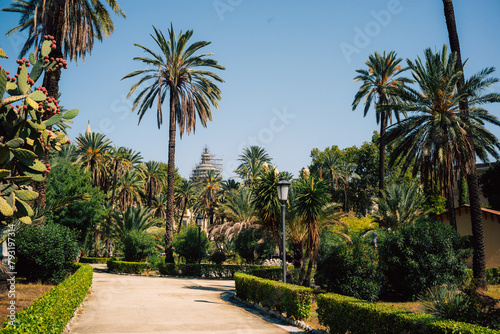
point(251, 162)
point(131, 218)
point(130, 188)
point(377, 80)
point(479, 260)
point(346, 173)
point(311, 194)
point(209, 186)
point(92, 149)
point(435, 138)
point(181, 73)
point(74, 24)
point(120, 161)
point(153, 176)
point(184, 194)
point(160, 206)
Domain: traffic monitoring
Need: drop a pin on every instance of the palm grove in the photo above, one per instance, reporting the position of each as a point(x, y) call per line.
point(431, 131)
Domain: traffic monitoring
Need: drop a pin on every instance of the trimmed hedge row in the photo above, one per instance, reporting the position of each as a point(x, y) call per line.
point(492, 275)
point(51, 312)
point(87, 259)
point(294, 300)
point(128, 267)
point(343, 314)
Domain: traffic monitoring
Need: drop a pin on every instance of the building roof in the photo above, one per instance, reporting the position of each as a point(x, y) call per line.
point(465, 209)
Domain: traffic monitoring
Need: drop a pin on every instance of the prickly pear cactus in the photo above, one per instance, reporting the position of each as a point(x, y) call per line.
point(26, 115)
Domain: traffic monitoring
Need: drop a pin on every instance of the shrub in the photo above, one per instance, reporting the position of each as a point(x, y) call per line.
point(343, 314)
point(218, 257)
point(252, 245)
point(128, 267)
point(417, 257)
point(86, 259)
point(45, 253)
point(448, 303)
point(186, 243)
point(51, 312)
point(349, 268)
point(294, 300)
point(137, 245)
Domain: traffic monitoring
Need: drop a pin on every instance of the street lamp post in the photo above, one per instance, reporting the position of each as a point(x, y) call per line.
point(283, 186)
point(199, 222)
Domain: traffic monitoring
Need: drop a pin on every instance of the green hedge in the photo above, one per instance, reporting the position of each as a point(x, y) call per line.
point(294, 300)
point(128, 267)
point(86, 259)
point(51, 312)
point(343, 314)
point(219, 270)
point(492, 275)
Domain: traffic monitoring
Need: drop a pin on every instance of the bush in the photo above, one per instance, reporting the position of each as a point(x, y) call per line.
point(128, 267)
point(186, 243)
point(247, 245)
point(86, 259)
point(294, 300)
point(137, 245)
point(45, 253)
point(51, 312)
point(349, 268)
point(218, 257)
point(343, 314)
point(417, 257)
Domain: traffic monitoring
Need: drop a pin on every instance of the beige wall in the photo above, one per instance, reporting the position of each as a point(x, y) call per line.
point(491, 231)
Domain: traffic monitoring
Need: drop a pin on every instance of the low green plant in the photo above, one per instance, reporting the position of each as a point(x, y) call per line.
point(218, 257)
point(448, 303)
point(138, 245)
point(51, 312)
point(45, 253)
point(186, 243)
point(87, 259)
point(128, 267)
point(349, 268)
point(342, 314)
point(294, 300)
point(419, 256)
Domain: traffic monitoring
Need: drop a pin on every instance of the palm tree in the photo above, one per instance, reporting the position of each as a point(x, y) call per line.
point(251, 162)
point(120, 160)
point(346, 172)
point(191, 91)
point(435, 138)
point(153, 175)
point(74, 24)
point(479, 261)
point(311, 195)
point(92, 150)
point(381, 76)
point(330, 160)
point(160, 206)
point(209, 186)
point(184, 194)
point(130, 188)
point(400, 204)
point(133, 218)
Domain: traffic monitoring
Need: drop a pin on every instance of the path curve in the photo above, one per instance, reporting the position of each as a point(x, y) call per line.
point(139, 304)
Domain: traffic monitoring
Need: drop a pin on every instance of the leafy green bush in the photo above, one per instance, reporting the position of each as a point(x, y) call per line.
point(294, 300)
point(128, 267)
point(45, 253)
point(51, 312)
point(349, 268)
point(137, 245)
point(448, 303)
point(218, 257)
point(86, 259)
point(186, 243)
point(343, 314)
point(65, 181)
point(417, 257)
point(252, 245)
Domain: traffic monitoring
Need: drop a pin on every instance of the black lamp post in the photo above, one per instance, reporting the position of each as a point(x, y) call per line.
point(199, 222)
point(283, 186)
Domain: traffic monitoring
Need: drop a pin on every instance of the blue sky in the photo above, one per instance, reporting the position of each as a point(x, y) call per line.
point(289, 69)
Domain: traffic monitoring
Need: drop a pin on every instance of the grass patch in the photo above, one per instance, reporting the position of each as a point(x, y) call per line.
point(26, 294)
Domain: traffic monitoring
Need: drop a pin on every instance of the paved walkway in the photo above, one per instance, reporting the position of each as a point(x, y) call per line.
point(138, 304)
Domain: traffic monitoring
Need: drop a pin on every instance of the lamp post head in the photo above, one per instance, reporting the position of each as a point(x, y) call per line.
point(199, 220)
point(283, 186)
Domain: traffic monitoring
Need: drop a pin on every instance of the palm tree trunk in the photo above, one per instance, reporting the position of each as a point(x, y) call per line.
point(182, 215)
point(381, 158)
point(150, 193)
point(114, 185)
point(450, 206)
point(307, 280)
point(478, 258)
point(169, 254)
